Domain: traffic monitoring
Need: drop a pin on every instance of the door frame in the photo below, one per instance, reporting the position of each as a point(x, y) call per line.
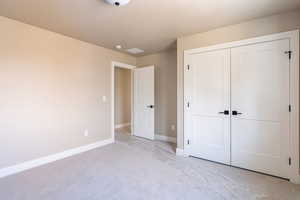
point(293, 36)
point(115, 64)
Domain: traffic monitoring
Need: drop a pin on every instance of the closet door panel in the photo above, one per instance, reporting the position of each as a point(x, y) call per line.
point(260, 95)
point(207, 94)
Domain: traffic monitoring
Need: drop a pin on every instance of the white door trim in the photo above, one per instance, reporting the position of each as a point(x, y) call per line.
point(293, 36)
point(115, 64)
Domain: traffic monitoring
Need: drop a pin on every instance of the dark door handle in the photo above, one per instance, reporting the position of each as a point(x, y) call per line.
point(150, 106)
point(236, 113)
point(226, 112)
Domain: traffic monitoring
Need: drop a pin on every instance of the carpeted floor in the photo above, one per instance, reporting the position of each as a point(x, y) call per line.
point(137, 169)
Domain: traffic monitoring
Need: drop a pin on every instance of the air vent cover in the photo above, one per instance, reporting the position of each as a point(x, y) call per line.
point(135, 51)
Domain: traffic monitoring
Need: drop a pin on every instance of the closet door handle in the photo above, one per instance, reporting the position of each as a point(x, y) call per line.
point(234, 112)
point(150, 106)
point(226, 112)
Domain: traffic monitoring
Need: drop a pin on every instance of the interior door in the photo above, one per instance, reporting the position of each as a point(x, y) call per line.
point(207, 98)
point(260, 114)
point(144, 102)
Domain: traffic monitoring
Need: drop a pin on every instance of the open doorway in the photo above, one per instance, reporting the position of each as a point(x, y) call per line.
point(132, 101)
point(122, 98)
point(123, 101)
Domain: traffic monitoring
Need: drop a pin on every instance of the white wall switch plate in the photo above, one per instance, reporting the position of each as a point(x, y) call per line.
point(86, 133)
point(104, 99)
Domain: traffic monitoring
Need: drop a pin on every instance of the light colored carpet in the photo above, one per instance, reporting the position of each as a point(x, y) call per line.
point(138, 169)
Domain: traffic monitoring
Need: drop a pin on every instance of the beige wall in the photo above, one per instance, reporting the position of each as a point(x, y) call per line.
point(259, 27)
point(122, 96)
point(165, 89)
point(51, 91)
point(52, 86)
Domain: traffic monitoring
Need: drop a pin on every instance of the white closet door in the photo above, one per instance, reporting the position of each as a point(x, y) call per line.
point(260, 95)
point(207, 84)
point(144, 102)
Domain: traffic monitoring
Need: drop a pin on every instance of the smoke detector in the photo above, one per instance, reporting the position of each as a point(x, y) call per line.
point(118, 3)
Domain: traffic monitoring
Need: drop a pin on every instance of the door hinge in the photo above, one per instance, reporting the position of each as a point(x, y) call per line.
point(290, 108)
point(289, 53)
point(188, 141)
point(188, 67)
point(290, 161)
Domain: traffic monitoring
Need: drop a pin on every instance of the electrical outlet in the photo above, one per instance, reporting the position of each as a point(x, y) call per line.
point(86, 133)
point(173, 127)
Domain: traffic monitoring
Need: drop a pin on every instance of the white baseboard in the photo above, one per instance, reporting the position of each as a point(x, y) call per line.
point(180, 152)
point(166, 138)
point(51, 158)
point(122, 125)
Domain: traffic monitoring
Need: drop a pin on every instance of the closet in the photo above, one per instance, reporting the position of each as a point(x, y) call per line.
point(237, 105)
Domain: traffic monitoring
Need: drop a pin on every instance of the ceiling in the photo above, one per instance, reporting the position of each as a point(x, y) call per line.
point(152, 25)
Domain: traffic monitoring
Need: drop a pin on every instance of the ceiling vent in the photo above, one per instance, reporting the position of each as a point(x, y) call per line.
point(117, 3)
point(135, 51)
